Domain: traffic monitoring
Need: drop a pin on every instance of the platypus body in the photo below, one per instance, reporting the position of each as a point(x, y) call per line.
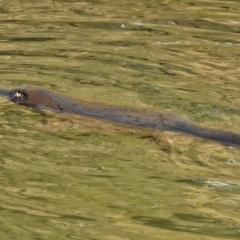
point(35, 97)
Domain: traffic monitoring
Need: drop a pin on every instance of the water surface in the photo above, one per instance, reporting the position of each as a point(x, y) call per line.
point(77, 178)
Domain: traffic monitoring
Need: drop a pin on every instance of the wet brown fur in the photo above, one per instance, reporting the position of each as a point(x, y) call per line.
point(44, 99)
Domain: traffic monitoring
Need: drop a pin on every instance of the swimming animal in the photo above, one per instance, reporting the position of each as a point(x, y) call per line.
point(39, 98)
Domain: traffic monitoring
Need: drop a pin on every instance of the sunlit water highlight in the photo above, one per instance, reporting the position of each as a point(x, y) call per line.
point(66, 177)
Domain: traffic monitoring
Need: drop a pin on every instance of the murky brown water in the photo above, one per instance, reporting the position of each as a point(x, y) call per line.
point(75, 178)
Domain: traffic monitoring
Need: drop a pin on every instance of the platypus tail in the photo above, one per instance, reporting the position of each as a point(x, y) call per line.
point(211, 134)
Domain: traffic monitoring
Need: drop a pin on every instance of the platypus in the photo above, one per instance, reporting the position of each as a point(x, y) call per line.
point(39, 98)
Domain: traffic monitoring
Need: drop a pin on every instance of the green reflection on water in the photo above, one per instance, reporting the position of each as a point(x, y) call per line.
point(68, 177)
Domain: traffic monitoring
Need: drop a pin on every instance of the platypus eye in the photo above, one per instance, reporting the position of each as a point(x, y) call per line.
point(20, 94)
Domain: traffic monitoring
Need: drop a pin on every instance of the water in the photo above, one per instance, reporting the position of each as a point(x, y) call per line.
point(67, 177)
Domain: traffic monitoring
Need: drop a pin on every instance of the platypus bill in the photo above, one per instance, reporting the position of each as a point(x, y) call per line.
point(35, 97)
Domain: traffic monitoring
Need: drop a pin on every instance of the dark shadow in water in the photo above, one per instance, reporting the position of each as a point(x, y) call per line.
point(3, 92)
point(101, 176)
point(77, 217)
point(200, 228)
point(31, 39)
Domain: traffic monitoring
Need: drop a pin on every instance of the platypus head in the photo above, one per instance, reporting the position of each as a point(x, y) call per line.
point(19, 95)
point(32, 96)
